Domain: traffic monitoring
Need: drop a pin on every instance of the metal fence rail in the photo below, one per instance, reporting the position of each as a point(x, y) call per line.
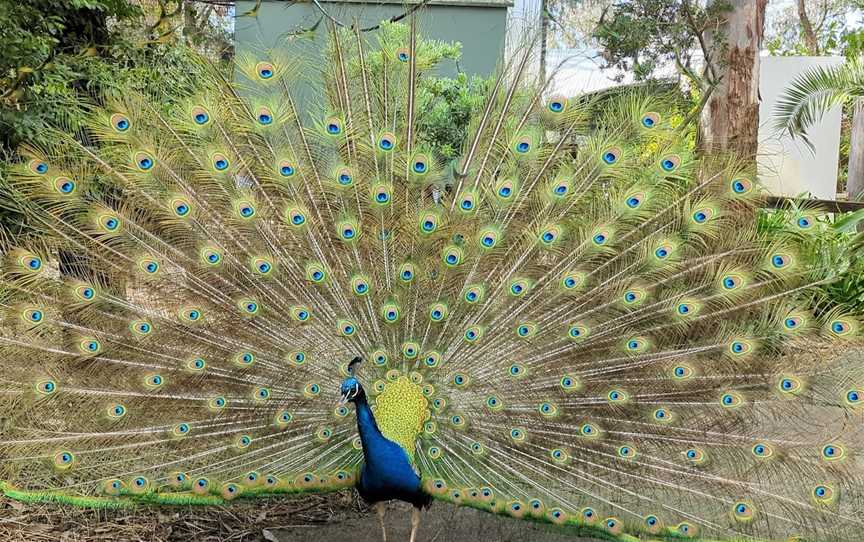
point(829, 206)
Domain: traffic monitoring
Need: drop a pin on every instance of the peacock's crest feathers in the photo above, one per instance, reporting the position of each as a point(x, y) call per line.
point(577, 321)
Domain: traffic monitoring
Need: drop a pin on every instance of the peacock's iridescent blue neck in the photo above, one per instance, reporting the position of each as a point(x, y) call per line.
point(370, 435)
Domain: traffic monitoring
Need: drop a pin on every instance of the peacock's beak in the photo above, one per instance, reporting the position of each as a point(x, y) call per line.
point(349, 394)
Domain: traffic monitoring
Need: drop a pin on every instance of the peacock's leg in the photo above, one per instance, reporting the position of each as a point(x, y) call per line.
point(415, 522)
point(381, 508)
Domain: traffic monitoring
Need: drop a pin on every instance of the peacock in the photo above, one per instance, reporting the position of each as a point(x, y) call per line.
point(258, 292)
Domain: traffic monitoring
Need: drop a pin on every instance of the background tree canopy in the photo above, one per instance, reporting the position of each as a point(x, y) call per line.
point(54, 53)
point(59, 56)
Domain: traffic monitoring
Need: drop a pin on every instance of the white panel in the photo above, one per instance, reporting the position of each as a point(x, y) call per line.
point(788, 167)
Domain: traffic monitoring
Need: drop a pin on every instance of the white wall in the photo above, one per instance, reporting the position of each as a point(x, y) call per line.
point(788, 167)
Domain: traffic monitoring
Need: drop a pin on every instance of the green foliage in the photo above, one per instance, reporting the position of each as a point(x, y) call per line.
point(853, 43)
point(834, 35)
point(835, 250)
point(642, 36)
point(784, 35)
point(447, 106)
point(57, 56)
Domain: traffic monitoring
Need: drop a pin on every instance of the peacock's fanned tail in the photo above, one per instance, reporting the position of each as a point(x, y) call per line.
point(577, 322)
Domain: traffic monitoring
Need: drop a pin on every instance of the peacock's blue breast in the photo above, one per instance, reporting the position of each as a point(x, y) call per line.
point(387, 465)
point(387, 473)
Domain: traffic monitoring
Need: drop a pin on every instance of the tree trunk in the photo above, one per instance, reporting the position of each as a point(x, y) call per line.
point(855, 179)
point(807, 29)
point(730, 120)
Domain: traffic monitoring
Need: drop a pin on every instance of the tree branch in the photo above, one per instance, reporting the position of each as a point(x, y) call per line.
point(697, 111)
point(393, 19)
point(807, 29)
point(688, 72)
point(709, 63)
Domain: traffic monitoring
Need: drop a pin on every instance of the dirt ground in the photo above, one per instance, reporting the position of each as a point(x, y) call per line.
point(441, 523)
point(337, 517)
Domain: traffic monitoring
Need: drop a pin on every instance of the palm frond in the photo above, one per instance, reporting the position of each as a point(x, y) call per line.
point(814, 93)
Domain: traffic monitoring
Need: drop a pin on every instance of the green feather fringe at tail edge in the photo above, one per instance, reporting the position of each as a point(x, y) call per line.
point(579, 528)
point(572, 525)
point(176, 498)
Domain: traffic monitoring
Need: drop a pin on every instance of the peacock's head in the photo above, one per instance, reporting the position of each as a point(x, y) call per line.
point(351, 390)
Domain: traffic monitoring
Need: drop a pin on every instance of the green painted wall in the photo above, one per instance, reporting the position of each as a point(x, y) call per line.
point(479, 27)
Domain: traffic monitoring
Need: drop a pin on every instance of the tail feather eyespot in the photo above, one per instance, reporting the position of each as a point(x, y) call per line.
point(264, 116)
point(265, 70)
point(557, 105)
point(650, 120)
point(670, 163)
point(199, 115)
point(611, 155)
point(120, 122)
